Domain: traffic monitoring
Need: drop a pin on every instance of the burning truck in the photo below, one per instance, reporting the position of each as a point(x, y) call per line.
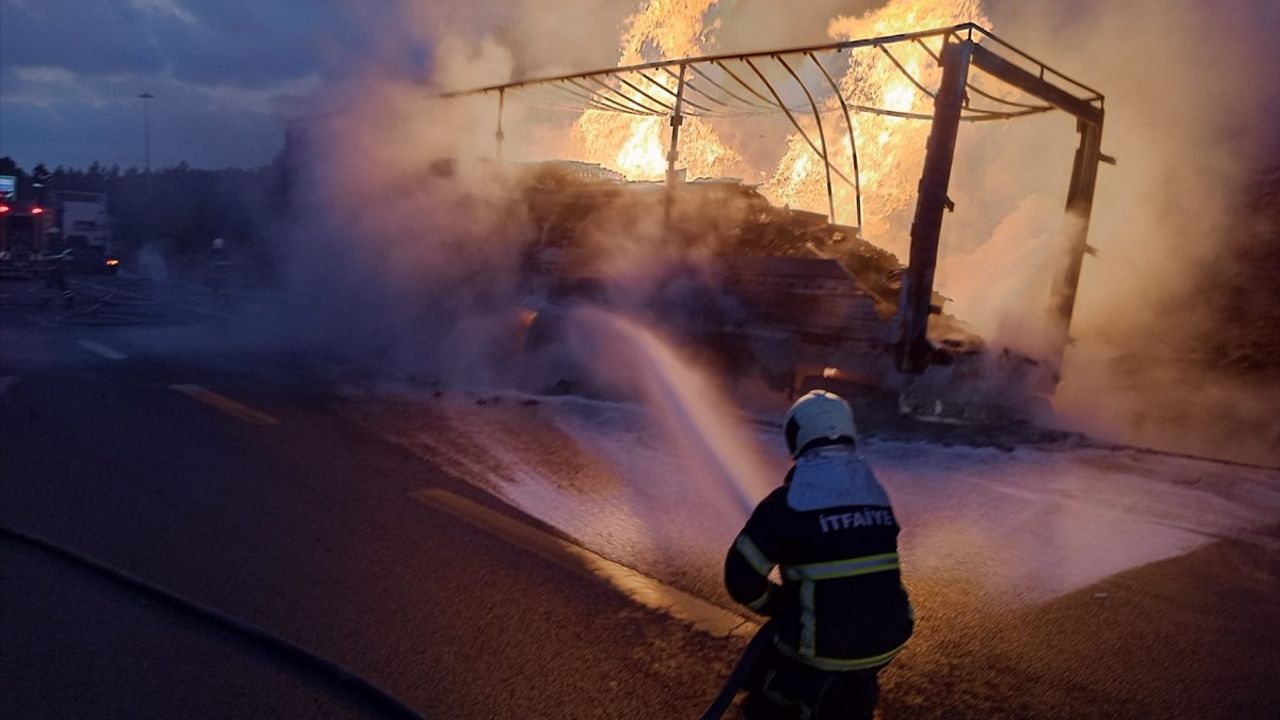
point(775, 292)
point(758, 286)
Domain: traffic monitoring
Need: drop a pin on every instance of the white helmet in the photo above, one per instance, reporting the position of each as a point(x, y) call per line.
point(818, 415)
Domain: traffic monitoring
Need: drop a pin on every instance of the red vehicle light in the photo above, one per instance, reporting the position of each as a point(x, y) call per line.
point(37, 211)
point(112, 262)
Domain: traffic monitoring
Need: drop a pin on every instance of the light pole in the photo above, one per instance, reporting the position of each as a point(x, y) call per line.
point(146, 142)
point(146, 129)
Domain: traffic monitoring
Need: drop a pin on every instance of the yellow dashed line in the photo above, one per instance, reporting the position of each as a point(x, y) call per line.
point(237, 410)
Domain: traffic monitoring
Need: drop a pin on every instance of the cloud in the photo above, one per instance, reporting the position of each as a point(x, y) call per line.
point(72, 70)
point(44, 74)
point(165, 7)
point(186, 125)
point(48, 86)
point(283, 97)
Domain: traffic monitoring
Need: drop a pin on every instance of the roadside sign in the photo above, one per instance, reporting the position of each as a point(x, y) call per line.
point(8, 186)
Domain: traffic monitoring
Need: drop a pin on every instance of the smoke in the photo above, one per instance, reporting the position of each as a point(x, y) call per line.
point(1017, 261)
point(407, 250)
point(150, 263)
point(703, 426)
point(1191, 109)
point(402, 257)
point(408, 240)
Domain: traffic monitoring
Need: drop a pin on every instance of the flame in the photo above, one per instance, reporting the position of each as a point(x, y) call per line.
point(890, 150)
point(636, 145)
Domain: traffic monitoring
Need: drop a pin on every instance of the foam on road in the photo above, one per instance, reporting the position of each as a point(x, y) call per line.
point(645, 590)
point(1020, 527)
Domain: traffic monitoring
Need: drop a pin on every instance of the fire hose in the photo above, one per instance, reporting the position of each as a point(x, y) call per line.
point(313, 662)
point(738, 676)
point(307, 659)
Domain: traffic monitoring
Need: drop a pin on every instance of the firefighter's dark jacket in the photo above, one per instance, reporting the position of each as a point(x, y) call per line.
point(830, 528)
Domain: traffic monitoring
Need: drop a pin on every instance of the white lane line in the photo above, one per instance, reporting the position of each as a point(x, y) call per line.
point(205, 311)
point(103, 350)
point(237, 410)
point(701, 614)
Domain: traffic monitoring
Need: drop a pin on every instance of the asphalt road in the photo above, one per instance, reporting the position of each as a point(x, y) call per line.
point(252, 495)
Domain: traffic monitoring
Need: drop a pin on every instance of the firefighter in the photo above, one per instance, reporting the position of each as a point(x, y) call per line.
point(841, 612)
point(56, 268)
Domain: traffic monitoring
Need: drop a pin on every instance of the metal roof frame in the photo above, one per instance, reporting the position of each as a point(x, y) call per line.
point(964, 47)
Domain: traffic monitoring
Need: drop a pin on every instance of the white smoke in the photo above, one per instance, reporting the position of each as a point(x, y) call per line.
point(405, 265)
point(1191, 109)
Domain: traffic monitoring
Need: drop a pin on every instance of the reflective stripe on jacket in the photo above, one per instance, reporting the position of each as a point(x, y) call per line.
point(831, 532)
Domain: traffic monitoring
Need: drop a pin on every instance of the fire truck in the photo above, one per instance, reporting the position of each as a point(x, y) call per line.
point(758, 291)
point(75, 224)
point(83, 227)
point(22, 229)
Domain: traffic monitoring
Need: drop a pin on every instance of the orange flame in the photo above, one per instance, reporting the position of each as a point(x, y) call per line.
point(890, 150)
point(636, 146)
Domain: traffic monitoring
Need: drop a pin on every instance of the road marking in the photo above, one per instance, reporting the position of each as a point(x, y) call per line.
point(703, 615)
point(103, 350)
point(205, 311)
point(237, 410)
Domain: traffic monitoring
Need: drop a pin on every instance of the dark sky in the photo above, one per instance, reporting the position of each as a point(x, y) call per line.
point(226, 75)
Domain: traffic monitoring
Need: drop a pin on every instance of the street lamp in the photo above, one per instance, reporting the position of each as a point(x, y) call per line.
point(146, 139)
point(146, 128)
